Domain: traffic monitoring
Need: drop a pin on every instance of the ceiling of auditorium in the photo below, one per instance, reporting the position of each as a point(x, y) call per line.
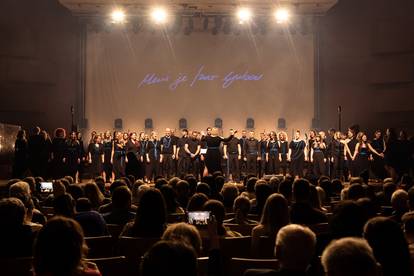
point(97, 7)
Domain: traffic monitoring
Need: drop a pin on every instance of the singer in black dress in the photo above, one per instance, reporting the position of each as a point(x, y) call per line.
point(213, 155)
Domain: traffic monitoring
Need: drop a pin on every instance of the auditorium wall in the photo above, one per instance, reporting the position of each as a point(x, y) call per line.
point(39, 62)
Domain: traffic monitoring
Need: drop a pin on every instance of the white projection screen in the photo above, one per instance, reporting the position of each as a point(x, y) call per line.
point(133, 76)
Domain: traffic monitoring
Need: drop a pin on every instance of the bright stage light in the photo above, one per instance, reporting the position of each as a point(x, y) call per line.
point(282, 15)
point(159, 15)
point(244, 15)
point(118, 16)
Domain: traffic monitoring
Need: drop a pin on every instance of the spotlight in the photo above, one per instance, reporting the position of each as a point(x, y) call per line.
point(244, 15)
point(282, 15)
point(118, 16)
point(159, 15)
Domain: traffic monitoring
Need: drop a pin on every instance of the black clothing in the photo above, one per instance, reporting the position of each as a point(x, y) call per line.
point(16, 242)
point(362, 159)
point(251, 150)
point(337, 152)
point(153, 149)
point(351, 163)
point(233, 158)
point(107, 166)
point(36, 144)
point(284, 149)
point(297, 157)
point(96, 151)
point(119, 159)
point(273, 151)
point(133, 153)
point(72, 155)
point(58, 151)
point(21, 151)
point(213, 156)
point(120, 217)
point(318, 160)
point(378, 162)
point(304, 213)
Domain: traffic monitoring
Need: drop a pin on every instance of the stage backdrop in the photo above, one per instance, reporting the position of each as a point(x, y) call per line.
point(199, 77)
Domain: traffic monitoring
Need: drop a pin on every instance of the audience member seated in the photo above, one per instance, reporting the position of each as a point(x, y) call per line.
point(60, 250)
point(301, 211)
point(350, 257)
point(275, 216)
point(106, 208)
point(408, 226)
point(390, 247)
point(285, 189)
point(21, 190)
point(369, 207)
point(121, 206)
point(92, 222)
point(170, 200)
point(356, 191)
point(183, 192)
point(150, 218)
point(274, 184)
point(76, 191)
point(196, 202)
point(217, 210)
point(294, 249)
point(241, 209)
point(94, 195)
point(229, 193)
point(64, 205)
point(262, 191)
point(384, 197)
point(135, 191)
point(169, 258)
point(16, 237)
point(250, 184)
point(399, 203)
point(204, 189)
point(315, 198)
point(348, 220)
point(58, 190)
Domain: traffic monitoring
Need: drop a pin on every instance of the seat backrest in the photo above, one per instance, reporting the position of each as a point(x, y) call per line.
point(100, 246)
point(239, 265)
point(202, 266)
point(320, 228)
point(266, 247)
point(111, 266)
point(115, 229)
point(176, 217)
point(134, 248)
point(16, 266)
point(236, 247)
point(244, 229)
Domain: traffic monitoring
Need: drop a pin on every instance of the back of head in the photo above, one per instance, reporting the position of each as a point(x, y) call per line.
point(275, 213)
point(399, 201)
point(204, 188)
point(356, 191)
point(59, 248)
point(117, 183)
point(121, 198)
point(263, 191)
point(250, 184)
point(389, 245)
point(58, 188)
point(241, 205)
point(151, 214)
point(196, 202)
point(64, 205)
point(349, 256)
point(12, 213)
point(219, 182)
point(19, 187)
point(285, 188)
point(348, 220)
point(295, 247)
point(183, 232)
point(229, 192)
point(389, 189)
point(160, 182)
point(301, 190)
point(83, 205)
point(408, 223)
point(169, 258)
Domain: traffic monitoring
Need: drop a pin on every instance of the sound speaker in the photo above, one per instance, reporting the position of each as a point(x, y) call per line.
point(118, 124)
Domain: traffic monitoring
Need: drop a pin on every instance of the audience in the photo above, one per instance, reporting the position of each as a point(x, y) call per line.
point(275, 216)
point(389, 245)
point(241, 208)
point(60, 249)
point(92, 222)
point(216, 209)
point(399, 203)
point(301, 211)
point(16, 237)
point(196, 202)
point(150, 218)
point(294, 249)
point(350, 257)
point(121, 207)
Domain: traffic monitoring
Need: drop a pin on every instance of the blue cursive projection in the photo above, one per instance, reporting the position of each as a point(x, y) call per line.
point(201, 75)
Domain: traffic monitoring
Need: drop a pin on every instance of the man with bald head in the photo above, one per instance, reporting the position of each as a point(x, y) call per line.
point(168, 150)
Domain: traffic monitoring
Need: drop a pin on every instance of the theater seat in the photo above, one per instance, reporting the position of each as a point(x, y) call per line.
point(100, 247)
point(115, 230)
point(202, 265)
point(239, 265)
point(16, 266)
point(244, 229)
point(176, 217)
point(236, 247)
point(111, 266)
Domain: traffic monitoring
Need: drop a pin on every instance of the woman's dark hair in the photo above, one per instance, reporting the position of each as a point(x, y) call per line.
point(263, 191)
point(161, 181)
point(95, 195)
point(196, 202)
point(217, 209)
point(64, 205)
point(170, 198)
point(348, 220)
point(59, 248)
point(151, 215)
point(285, 188)
point(204, 189)
point(389, 245)
point(169, 258)
point(250, 184)
point(275, 213)
point(75, 191)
